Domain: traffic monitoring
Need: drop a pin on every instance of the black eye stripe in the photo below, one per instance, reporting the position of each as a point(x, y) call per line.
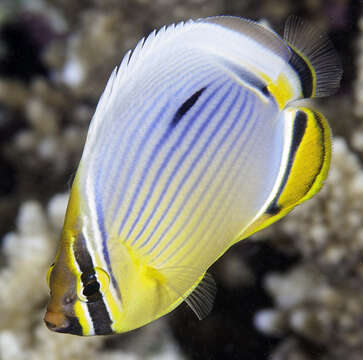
point(88, 276)
point(97, 308)
point(91, 287)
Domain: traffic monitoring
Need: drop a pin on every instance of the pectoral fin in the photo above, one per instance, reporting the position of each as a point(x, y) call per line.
point(304, 165)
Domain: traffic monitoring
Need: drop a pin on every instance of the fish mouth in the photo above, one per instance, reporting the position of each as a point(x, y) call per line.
point(67, 325)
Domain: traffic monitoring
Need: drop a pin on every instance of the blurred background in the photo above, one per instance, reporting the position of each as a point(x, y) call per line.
point(292, 292)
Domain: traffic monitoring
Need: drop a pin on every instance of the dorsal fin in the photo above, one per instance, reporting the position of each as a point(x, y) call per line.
point(143, 48)
point(313, 58)
point(261, 34)
point(128, 63)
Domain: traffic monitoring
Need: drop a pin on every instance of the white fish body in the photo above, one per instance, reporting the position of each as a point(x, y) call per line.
point(155, 175)
point(192, 148)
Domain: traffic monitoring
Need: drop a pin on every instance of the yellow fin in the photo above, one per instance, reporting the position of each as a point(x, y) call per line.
point(199, 295)
point(306, 167)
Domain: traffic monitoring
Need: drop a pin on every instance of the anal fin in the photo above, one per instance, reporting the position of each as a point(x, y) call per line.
point(197, 291)
point(201, 299)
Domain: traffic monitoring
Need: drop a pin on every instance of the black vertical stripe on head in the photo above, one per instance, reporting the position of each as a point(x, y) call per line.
point(304, 72)
point(185, 107)
point(97, 309)
point(74, 327)
point(300, 123)
point(100, 318)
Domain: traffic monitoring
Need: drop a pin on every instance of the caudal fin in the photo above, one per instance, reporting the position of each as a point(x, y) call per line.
point(313, 58)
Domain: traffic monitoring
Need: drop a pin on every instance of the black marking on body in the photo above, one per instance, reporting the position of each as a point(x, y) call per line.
point(273, 208)
point(304, 73)
point(248, 77)
point(265, 91)
point(300, 124)
point(318, 122)
point(186, 106)
point(97, 309)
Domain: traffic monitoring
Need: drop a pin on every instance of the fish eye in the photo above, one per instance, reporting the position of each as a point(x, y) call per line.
point(49, 273)
point(91, 289)
point(93, 285)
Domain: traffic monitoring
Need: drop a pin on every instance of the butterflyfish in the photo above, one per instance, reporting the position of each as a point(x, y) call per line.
point(195, 144)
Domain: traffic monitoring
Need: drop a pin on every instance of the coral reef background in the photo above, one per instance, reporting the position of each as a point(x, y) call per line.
point(291, 292)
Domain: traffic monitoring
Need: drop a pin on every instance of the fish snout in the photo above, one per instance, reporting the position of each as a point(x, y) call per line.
point(55, 320)
point(60, 323)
